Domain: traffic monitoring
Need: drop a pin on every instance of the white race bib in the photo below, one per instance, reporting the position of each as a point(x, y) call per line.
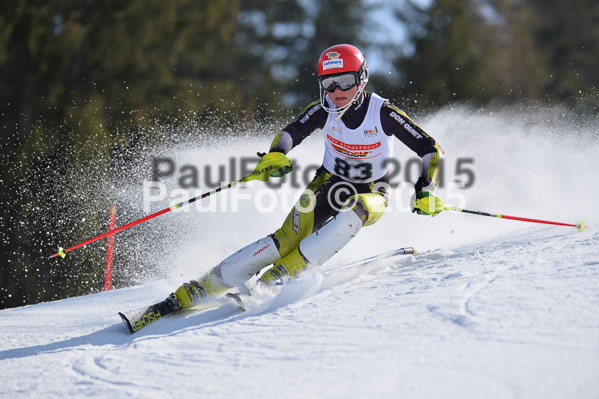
point(358, 155)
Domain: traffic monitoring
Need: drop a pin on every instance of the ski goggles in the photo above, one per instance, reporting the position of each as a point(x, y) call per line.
point(343, 81)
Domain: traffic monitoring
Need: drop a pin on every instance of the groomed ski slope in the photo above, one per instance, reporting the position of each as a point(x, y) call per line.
point(515, 316)
point(489, 308)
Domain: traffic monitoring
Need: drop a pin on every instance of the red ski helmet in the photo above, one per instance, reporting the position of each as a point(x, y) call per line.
point(341, 58)
point(338, 60)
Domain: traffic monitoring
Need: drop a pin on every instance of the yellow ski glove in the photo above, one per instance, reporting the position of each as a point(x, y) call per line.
point(275, 164)
point(426, 203)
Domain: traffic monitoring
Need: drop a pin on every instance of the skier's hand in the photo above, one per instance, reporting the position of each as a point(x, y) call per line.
point(275, 158)
point(424, 201)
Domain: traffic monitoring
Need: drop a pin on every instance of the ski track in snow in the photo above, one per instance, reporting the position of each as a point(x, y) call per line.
point(515, 316)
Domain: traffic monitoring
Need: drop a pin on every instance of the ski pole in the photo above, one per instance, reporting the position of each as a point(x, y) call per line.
point(579, 227)
point(273, 164)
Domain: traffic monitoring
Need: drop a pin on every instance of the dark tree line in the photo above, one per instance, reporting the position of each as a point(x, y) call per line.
point(502, 51)
point(84, 83)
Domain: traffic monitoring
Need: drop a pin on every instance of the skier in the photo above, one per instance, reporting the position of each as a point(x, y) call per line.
point(349, 190)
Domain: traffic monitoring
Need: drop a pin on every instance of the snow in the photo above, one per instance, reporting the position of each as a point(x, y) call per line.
point(488, 308)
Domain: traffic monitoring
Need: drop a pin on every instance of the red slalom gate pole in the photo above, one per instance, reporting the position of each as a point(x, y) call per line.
point(109, 250)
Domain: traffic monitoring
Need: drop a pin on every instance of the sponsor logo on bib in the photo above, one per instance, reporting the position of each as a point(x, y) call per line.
point(353, 150)
point(371, 132)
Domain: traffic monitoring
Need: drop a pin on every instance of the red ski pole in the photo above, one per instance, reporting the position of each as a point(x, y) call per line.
point(580, 226)
point(274, 164)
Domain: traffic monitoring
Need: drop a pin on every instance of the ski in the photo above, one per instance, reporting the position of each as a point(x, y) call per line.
point(237, 297)
point(137, 319)
point(375, 259)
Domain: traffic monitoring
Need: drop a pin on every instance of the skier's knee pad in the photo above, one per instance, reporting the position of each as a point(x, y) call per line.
point(368, 206)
